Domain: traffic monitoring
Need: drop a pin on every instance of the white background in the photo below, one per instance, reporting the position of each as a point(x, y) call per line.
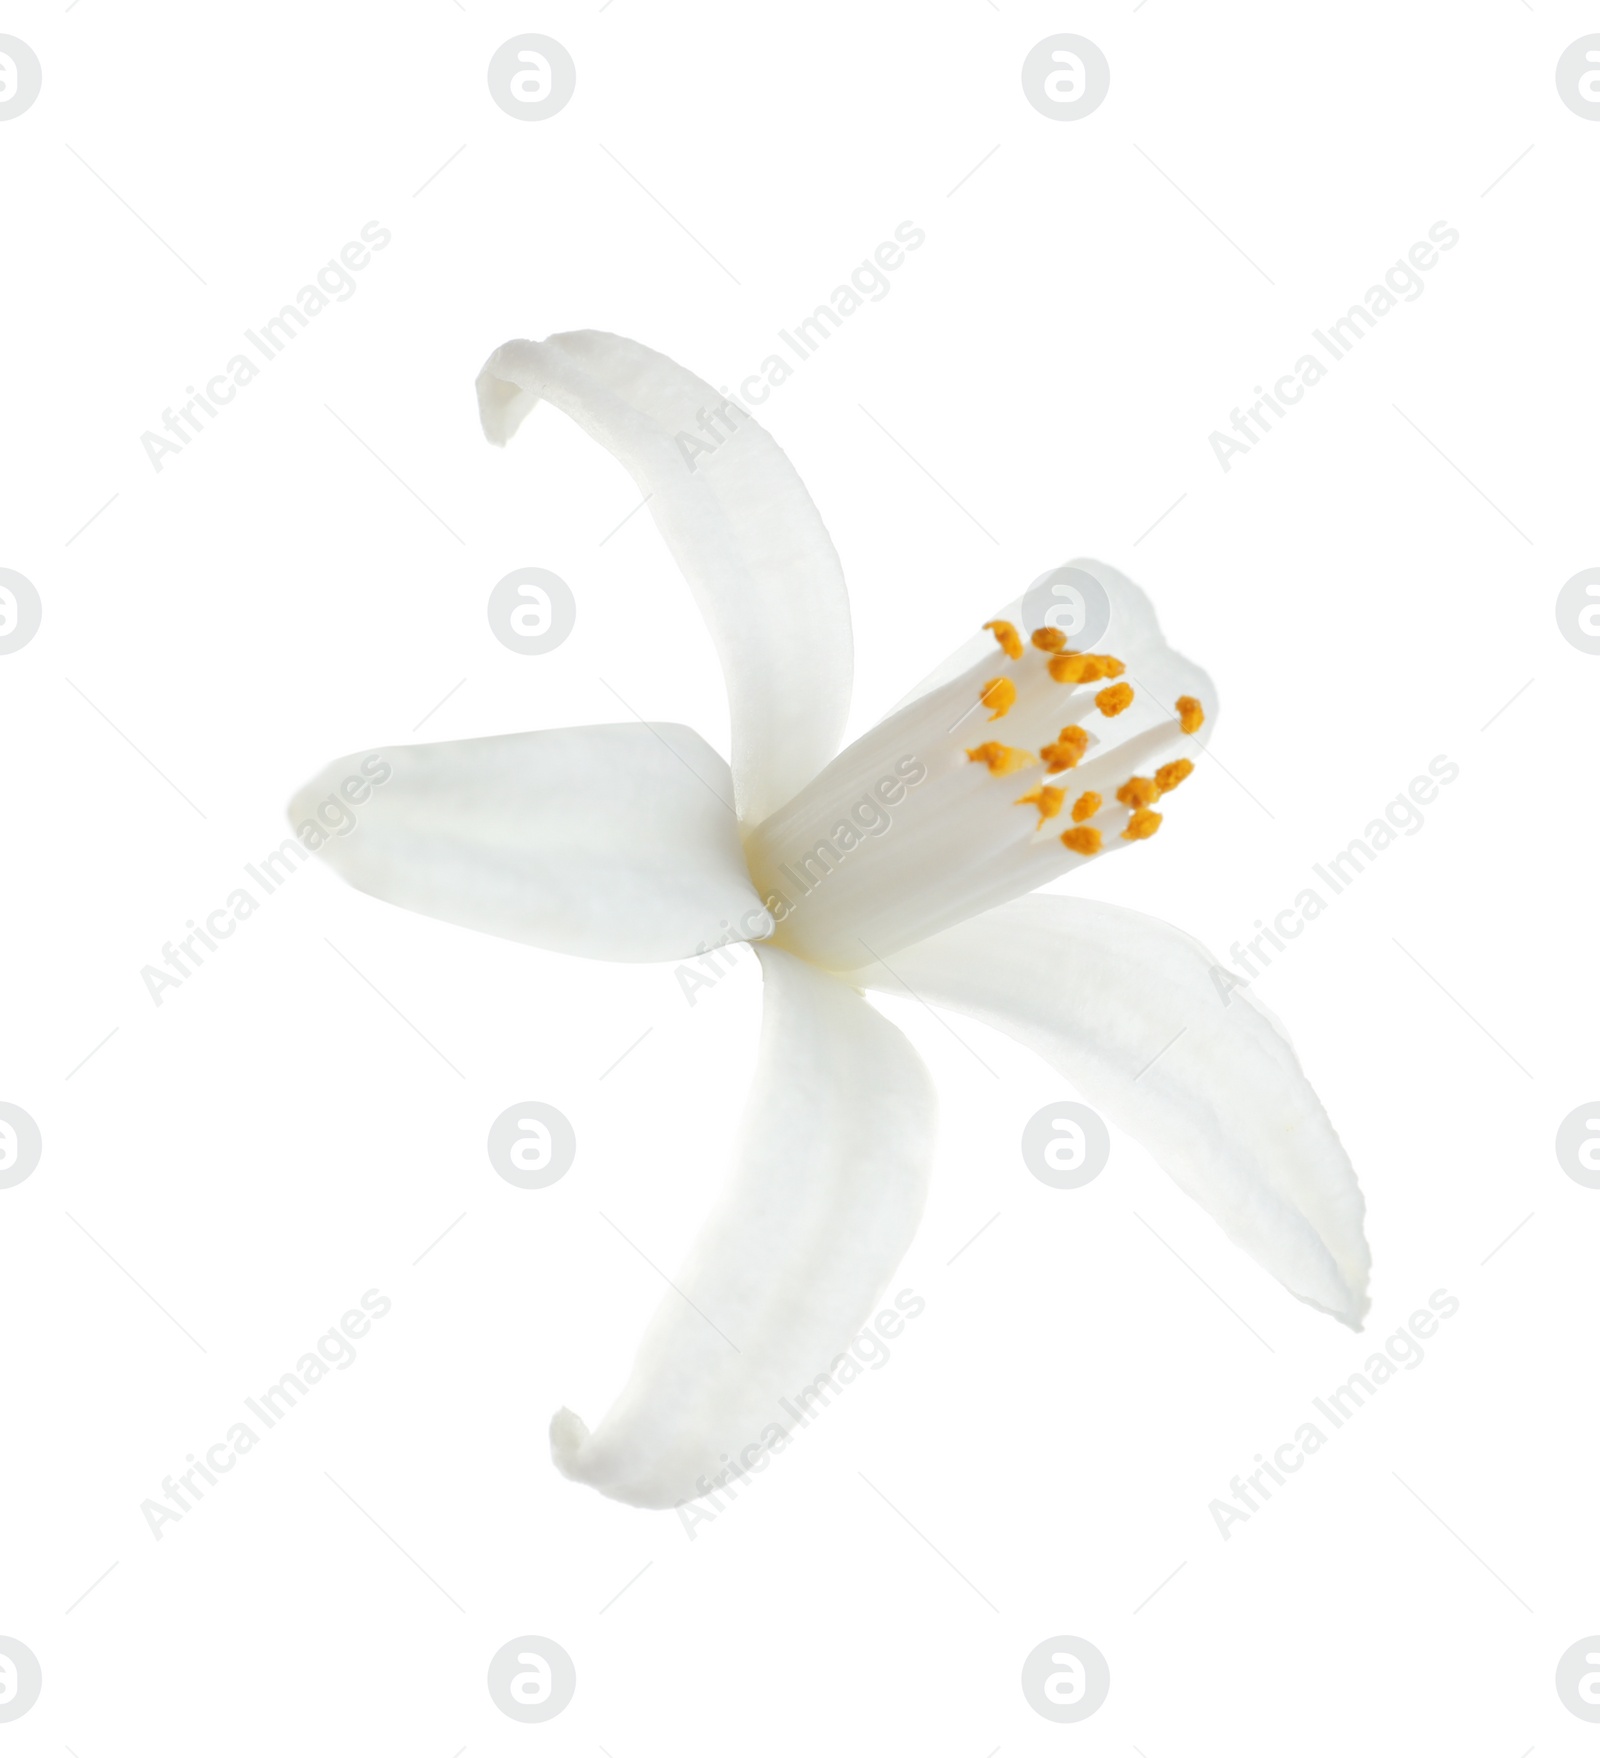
point(1367, 588)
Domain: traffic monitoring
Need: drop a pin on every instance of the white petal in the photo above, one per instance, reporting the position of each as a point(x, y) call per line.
point(1129, 1010)
point(740, 525)
point(831, 1181)
point(614, 842)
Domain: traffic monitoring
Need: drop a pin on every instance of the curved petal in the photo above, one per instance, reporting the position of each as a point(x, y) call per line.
point(615, 842)
point(832, 1177)
point(1132, 1012)
point(739, 524)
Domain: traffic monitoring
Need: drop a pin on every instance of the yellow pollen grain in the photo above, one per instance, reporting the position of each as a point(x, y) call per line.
point(1047, 799)
point(1141, 826)
point(997, 696)
point(1001, 759)
point(1113, 699)
point(1085, 840)
point(1006, 634)
point(1191, 716)
point(1138, 790)
point(1170, 774)
point(1048, 640)
point(1085, 806)
point(1067, 751)
point(1085, 668)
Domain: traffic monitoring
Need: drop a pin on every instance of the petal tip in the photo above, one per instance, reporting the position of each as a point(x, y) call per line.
point(503, 404)
point(1352, 1310)
point(568, 1432)
point(303, 803)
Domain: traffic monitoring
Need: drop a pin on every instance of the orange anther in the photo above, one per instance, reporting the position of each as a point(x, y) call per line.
point(1138, 790)
point(1085, 840)
point(1048, 639)
point(1085, 668)
point(997, 696)
point(1067, 752)
point(1113, 699)
point(1002, 759)
point(1006, 634)
point(1085, 806)
point(1191, 716)
point(1047, 799)
point(1141, 825)
point(1170, 774)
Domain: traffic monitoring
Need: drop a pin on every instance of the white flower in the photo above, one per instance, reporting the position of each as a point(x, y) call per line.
point(902, 863)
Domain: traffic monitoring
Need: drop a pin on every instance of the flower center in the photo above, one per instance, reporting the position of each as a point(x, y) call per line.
point(1028, 764)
